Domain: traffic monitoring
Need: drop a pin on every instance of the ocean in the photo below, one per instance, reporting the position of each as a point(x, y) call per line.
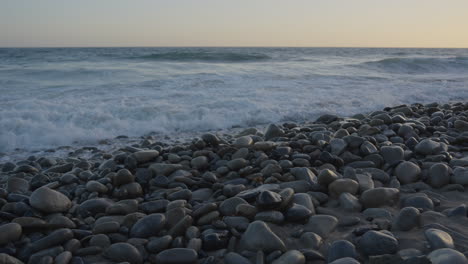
point(52, 97)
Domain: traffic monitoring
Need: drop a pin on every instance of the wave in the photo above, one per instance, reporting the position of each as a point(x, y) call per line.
point(204, 56)
point(419, 64)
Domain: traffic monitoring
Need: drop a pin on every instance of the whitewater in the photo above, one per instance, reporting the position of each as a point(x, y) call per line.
point(51, 97)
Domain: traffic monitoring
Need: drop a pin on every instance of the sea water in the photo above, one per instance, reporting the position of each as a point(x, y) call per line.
point(76, 96)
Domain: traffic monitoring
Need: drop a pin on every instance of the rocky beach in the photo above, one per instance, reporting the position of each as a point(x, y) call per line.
point(380, 187)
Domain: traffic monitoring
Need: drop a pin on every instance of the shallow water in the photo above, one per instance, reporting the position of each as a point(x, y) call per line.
point(65, 96)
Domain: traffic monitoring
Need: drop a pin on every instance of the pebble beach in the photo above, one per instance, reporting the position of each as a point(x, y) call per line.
point(386, 186)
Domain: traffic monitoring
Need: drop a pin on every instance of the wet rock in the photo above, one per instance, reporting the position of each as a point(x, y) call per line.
point(49, 201)
point(259, 236)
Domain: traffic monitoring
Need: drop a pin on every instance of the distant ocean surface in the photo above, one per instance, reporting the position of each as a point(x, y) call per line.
point(61, 96)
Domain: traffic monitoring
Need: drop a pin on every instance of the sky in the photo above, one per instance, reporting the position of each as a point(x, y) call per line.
point(290, 23)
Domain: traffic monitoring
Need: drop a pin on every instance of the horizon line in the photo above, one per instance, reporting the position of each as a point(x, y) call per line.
point(241, 46)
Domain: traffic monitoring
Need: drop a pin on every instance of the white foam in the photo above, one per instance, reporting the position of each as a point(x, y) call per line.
point(136, 98)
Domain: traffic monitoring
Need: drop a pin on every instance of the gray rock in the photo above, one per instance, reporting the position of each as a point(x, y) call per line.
point(303, 173)
point(377, 243)
point(419, 201)
point(274, 217)
point(365, 182)
point(200, 162)
point(243, 142)
point(108, 165)
point(305, 200)
point(241, 153)
point(211, 139)
point(163, 169)
point(177, 256)
point(378, 213)
point(447, 255)
point(7, 259)
point(228, 206)
point(145, 155)
point(379, 197)
point(350, 203)
point(322, 225)
point(297, 212)
point(49, 201)
point(460, 176)
point(147, 226)
point(368, 148)
point(237, 164)
point(55, 238)
point(326, 177)
point(407, 219)
point(268, 200)
point(95, 186)
point(234, 258)
point(159, 244)
point(123, 252)
point(461, 125)
point(259, 236)
point(100, 240)
point(392, 154)
point(341, 249)
point(438, 239)
point(428, 147)
point(291, 257)
point(63, 258)
point(95, 206)
point(273, 131)
point(338, 146)
point(407, 172)
point(270, 169)
point(297, 186)
point(311, 240)
point(10, 232)
point(343, 185)
point(17, 185)
point(122, 177)
point(439, 175)
point(346, 260)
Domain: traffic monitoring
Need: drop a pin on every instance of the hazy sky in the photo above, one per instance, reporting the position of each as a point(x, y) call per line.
point(369, 23)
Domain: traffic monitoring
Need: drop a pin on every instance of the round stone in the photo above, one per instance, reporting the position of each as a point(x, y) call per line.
point(237, 164)
point(177, 256)
point(377, 243)
point(268, 200)
point(407, 172)
point(438, 239)
point(243, 142)
point(326, 177)
point(341, 249)
point(95, 186)
point(122, 177)
point(228, 206)
point(379, 197)
point(200, 162)
point(145, 155)
point(147, 226)
point(291, 257)
point(407, 219)
point(343, 185)
point(49, 201)
point(392, 154)
point(123, 252)
point(10, 232)
point(234, 258)
point(439, 175)
point(259, 236)
point(447, 255)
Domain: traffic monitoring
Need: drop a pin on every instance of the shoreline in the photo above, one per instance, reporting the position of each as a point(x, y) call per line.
point(381, 187)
